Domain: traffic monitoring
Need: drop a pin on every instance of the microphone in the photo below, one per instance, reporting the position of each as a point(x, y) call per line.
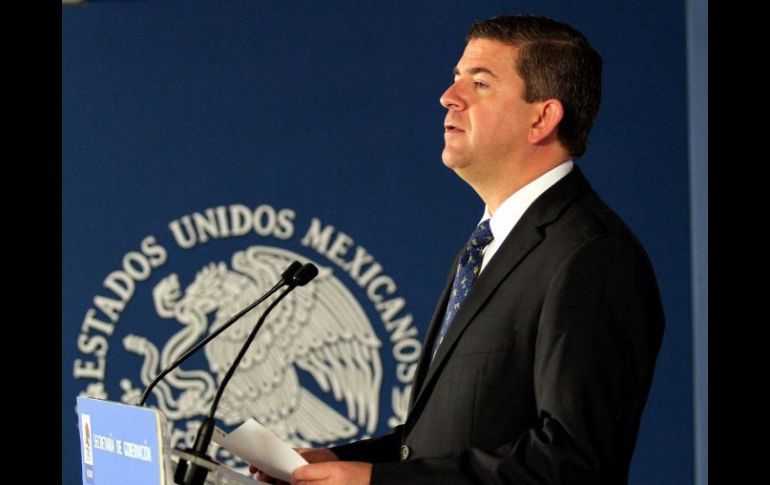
point(288, 277)
point(194, 474)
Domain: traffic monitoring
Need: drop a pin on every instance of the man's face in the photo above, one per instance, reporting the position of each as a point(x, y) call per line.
point(487, 120)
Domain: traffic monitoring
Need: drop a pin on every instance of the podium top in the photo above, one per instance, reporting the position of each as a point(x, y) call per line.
point(122, 444)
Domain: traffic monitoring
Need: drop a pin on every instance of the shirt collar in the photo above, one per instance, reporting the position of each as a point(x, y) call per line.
point(512, 208)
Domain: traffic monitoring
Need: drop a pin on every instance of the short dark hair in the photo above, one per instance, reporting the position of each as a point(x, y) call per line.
point(555, 61)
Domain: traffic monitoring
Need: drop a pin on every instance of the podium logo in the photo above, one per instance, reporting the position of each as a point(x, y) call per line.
point(315, 375)
point(85, 436)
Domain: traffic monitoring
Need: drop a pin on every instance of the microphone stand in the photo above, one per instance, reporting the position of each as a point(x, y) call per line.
point(193, 473)
point(286, 278)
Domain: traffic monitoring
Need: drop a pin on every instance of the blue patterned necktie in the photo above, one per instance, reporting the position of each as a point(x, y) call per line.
point(467, 270)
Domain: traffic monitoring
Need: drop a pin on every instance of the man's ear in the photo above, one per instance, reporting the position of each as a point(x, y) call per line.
point(548, 115)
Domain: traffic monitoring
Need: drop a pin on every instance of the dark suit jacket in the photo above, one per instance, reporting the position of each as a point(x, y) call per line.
point(546, 368)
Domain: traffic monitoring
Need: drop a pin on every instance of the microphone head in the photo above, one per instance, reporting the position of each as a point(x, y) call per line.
point(306, 273)
point(291, 270)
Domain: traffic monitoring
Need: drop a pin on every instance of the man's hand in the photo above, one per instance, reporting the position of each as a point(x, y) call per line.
point(333, 473)
point(311, 455)
point(316, 455)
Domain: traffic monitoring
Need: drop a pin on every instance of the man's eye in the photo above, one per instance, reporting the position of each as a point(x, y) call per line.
point(480, 84)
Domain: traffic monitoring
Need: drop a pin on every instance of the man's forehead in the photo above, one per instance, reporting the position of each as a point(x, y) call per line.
point(487, 53)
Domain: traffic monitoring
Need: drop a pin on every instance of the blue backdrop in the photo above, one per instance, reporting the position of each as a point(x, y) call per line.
point(288, 119)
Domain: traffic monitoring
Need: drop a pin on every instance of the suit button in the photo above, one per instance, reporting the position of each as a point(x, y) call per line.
point(405, 451)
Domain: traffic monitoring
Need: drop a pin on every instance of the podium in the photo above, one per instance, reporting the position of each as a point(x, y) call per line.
point(124, 444)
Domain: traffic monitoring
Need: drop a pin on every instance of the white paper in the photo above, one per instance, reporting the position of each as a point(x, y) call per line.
point(255, 444)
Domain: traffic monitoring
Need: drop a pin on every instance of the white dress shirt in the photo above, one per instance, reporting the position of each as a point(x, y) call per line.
point(510, 211)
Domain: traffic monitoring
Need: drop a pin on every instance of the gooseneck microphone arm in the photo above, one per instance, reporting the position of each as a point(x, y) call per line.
point(286, 278)
point(194, 474)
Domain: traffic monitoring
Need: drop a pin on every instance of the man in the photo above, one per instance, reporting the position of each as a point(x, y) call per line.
point(541, 352)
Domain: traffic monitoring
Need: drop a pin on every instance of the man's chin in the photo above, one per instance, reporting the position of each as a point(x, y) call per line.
point(453, 161)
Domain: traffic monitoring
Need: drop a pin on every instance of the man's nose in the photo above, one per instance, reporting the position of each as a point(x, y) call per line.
point(452, 98)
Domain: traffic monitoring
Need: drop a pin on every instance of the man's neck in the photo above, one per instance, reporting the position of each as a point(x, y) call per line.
point(496, 192)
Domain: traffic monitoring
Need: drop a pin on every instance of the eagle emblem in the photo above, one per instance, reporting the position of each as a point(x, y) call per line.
point(318, 330)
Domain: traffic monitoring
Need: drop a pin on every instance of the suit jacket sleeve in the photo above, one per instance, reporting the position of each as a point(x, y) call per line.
point(380, 449)
point(598, 336)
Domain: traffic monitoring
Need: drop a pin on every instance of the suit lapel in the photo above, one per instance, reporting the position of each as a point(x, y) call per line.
point(524, 237)
point(505, 260)
point(430, 337)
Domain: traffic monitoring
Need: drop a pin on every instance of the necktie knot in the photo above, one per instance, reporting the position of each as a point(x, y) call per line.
point(480, 238)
